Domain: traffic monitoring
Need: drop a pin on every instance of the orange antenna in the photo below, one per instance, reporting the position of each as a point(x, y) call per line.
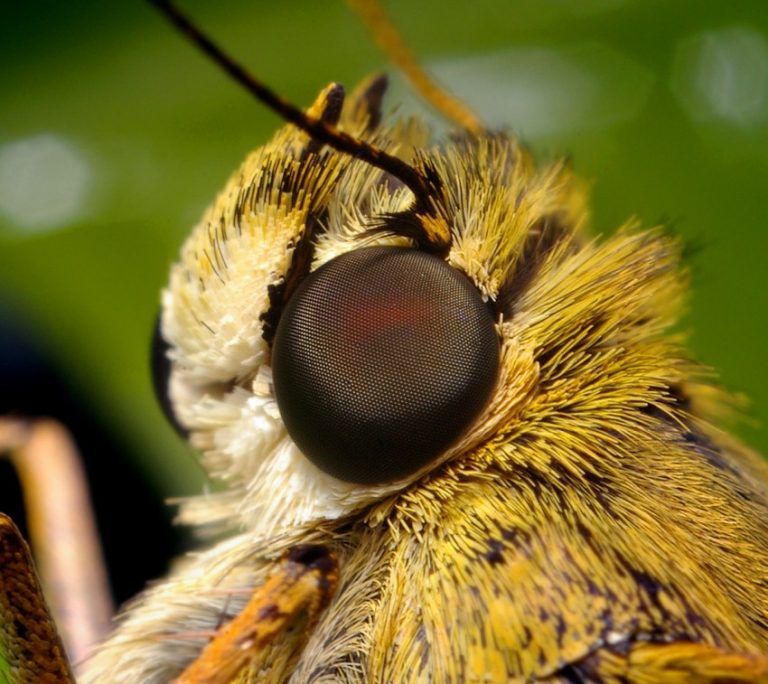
point(389, 40)
point(317, 128)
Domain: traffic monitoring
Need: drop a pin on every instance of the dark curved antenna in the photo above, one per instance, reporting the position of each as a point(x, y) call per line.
point(316, 128)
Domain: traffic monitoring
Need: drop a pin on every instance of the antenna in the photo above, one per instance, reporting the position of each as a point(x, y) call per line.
point(314, 127)
point(389, 40)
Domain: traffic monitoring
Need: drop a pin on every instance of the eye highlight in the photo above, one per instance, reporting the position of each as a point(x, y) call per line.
point(383, 358)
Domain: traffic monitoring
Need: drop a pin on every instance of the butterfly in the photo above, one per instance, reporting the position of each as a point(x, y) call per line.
point(459, 439)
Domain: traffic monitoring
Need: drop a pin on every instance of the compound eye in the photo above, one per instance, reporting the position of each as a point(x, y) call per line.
point(382, 359)
point(160, 366)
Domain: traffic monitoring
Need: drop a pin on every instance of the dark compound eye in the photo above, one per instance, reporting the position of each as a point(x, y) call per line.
point(160, 366)
point(382, 358)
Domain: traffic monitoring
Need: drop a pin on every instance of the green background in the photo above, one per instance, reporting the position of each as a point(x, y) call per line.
point(115, 134)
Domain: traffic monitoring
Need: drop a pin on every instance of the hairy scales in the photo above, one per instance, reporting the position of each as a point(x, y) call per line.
point(593, 514)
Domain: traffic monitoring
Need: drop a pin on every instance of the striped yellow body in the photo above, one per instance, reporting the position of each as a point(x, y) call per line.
point(594, 525)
